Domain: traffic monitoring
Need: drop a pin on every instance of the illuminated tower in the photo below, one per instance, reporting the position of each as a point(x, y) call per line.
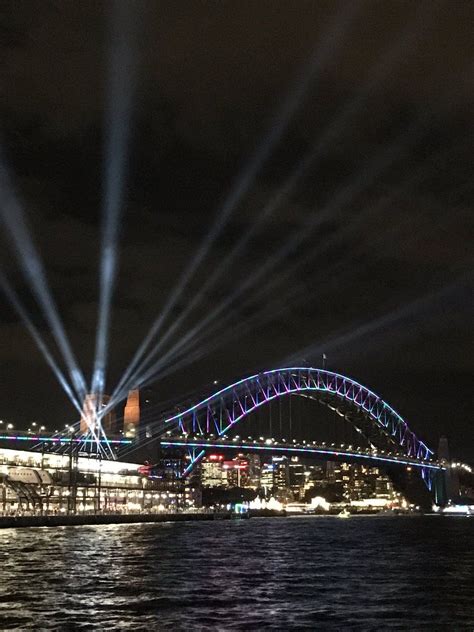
point(131, 415)
point(90, 413)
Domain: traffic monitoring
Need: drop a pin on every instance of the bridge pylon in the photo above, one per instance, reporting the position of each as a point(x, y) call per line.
point(440, 487)
point(446, 483)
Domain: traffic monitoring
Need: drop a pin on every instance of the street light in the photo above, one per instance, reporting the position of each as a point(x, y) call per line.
point(10, 427)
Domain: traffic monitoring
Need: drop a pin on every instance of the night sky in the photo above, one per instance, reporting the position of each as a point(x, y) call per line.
point(380, 274)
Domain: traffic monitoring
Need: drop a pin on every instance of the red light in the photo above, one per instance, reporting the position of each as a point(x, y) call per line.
point(215, 457)
point(144, 469)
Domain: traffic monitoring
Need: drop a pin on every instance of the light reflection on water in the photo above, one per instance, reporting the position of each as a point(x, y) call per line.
point(365, 573)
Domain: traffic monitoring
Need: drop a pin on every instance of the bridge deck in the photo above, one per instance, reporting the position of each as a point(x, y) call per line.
point(301, 449)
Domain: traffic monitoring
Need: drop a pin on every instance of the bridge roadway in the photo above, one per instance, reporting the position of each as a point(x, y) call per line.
point(293, 447)
point(198, 442)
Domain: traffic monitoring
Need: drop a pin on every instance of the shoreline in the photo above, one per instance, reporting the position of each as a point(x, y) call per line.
point(11, 522)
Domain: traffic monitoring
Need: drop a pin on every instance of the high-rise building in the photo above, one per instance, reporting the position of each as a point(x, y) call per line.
point(266, 478)
point(131, 414)
point(356, 482)
point(281, 472)
point(281, 478)
point(212, 471)
point(235, 472)
point(314, 475)
point(296, 471)
point(254, 470)
point(331, 471)
point(243, 471)
point(341, 473)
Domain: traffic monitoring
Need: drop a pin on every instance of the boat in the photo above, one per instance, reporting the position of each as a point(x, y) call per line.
point(344, 514)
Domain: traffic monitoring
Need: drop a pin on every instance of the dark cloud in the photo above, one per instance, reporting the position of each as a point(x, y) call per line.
point(209, 79)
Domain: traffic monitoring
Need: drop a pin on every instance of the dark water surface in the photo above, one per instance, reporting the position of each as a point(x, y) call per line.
point(364, 573)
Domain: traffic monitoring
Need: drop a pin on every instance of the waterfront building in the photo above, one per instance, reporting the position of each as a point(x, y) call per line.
point(356, 482)
point(235, 472)
point(254, 471)
point(281, 472)
point(281, 478)
point(314, 476)
point(266, 478)
point(296, 476)
point(330, 467)
point(212, 471)
point(241, 471)
point(168, 469)
point(52, 483)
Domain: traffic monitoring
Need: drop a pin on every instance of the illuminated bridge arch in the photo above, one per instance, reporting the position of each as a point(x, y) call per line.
point(220, 412)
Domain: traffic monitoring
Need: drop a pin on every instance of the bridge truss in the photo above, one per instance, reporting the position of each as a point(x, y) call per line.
point(361, 407)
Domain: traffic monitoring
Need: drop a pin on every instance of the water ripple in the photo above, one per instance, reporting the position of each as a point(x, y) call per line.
point(367, 573)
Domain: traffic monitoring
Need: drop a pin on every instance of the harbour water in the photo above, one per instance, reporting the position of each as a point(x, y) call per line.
point(304, 573)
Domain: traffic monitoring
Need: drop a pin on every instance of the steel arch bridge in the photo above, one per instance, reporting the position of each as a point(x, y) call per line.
point(220, 412)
